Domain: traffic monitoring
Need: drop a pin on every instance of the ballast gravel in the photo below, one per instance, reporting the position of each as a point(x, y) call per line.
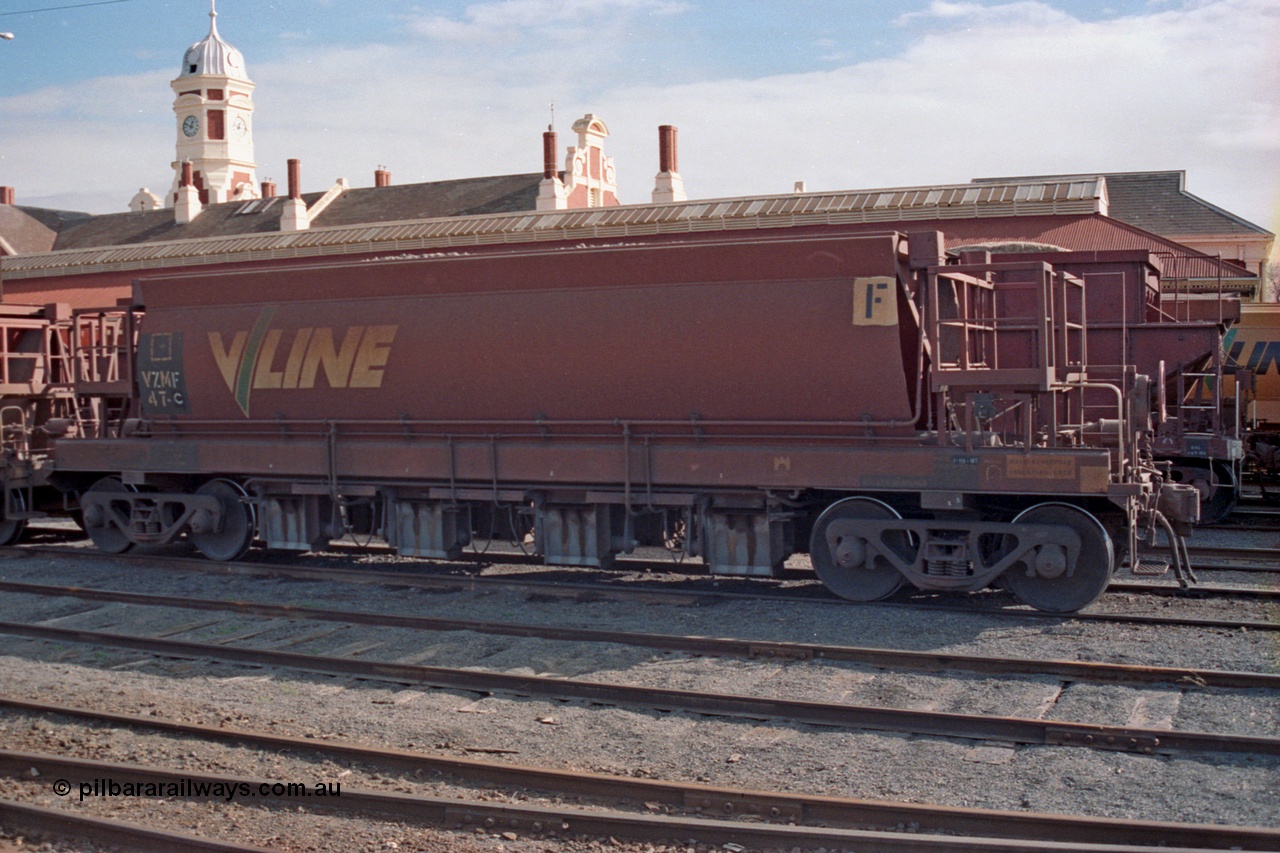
point(1221, 788)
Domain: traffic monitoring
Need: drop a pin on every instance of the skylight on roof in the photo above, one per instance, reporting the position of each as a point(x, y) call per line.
point(257, 205)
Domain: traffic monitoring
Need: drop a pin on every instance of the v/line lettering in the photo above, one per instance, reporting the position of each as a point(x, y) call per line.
point(355, 362)
point(279, 359)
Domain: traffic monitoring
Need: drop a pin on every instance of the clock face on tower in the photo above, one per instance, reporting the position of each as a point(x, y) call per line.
point(240, 128)
point(190, 125)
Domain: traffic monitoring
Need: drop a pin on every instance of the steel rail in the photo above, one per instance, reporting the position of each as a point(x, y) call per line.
point(627, 561)
point(1216, 552)
point(640, 562)
point(1083, 671)
point(623, 560)
point(1205, 552)
point(708, 799)
point(556, 820)
point(1238, 567)
point(1247, 518)
point(1199, 589)
point(64, 823)
point(1225, 567)
point(595, 591)
point(1227, 527)
point(970, 726)
point(1244, 511)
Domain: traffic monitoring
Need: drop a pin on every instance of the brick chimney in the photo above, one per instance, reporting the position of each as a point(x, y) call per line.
point(667, 153)
point(382, 177)
point(187, 206)
point(549, 153)
point(668, 185)
point(268, 188)
point(551, 190)
point(295, 178)
point(7, 195)
point(294, 216)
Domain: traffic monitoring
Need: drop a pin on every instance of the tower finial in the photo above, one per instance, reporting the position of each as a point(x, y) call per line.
point(213, 16)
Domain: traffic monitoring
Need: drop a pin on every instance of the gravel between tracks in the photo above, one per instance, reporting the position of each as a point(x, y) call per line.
point(677, 746)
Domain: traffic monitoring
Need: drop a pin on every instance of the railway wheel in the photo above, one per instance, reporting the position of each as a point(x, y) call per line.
point(1049, 583)
point(105, 535)
point(11, 528)
point(842, 560)
point(239, 523)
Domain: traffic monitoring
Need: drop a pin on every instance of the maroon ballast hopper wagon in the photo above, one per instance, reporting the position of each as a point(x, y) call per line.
point(742, 396)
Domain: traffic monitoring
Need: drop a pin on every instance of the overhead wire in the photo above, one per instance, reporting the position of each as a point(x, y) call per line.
point(60, 8)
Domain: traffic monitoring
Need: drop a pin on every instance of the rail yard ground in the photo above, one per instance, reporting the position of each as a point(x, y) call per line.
point(630, 741)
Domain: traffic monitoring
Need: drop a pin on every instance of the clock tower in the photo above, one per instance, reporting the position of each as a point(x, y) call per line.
point(214, 112)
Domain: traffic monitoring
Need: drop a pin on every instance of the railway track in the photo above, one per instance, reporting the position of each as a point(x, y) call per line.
point(643, 809)
point(251, 625)
point(65, 824)
point(978, 727)
point(1004, 729)
point(1091, 672)
point(699, 592)
point(552, 822)
point(1211, 557)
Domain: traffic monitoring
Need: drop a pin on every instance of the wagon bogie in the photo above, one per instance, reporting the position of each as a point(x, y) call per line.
point(1055, 556)
point(217, 516)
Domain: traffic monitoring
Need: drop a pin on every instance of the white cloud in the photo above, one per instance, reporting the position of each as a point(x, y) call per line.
point(1029, 13)
point(1192, 87)
point(80, 147)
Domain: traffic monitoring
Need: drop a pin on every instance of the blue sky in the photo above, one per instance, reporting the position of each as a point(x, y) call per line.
point(68, 40)
point(837, 93)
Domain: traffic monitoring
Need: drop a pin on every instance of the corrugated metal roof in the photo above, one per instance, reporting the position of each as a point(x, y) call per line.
point(855, 206)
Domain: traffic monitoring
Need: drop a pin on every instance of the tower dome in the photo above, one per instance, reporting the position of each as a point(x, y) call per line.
point(212, 55)
point(213, 105)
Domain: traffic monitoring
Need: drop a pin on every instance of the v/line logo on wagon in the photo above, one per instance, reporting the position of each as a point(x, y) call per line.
point(267, 358)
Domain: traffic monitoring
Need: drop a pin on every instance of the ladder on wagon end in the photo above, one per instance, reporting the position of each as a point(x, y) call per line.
point(102, 357)
point(1010, 356)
